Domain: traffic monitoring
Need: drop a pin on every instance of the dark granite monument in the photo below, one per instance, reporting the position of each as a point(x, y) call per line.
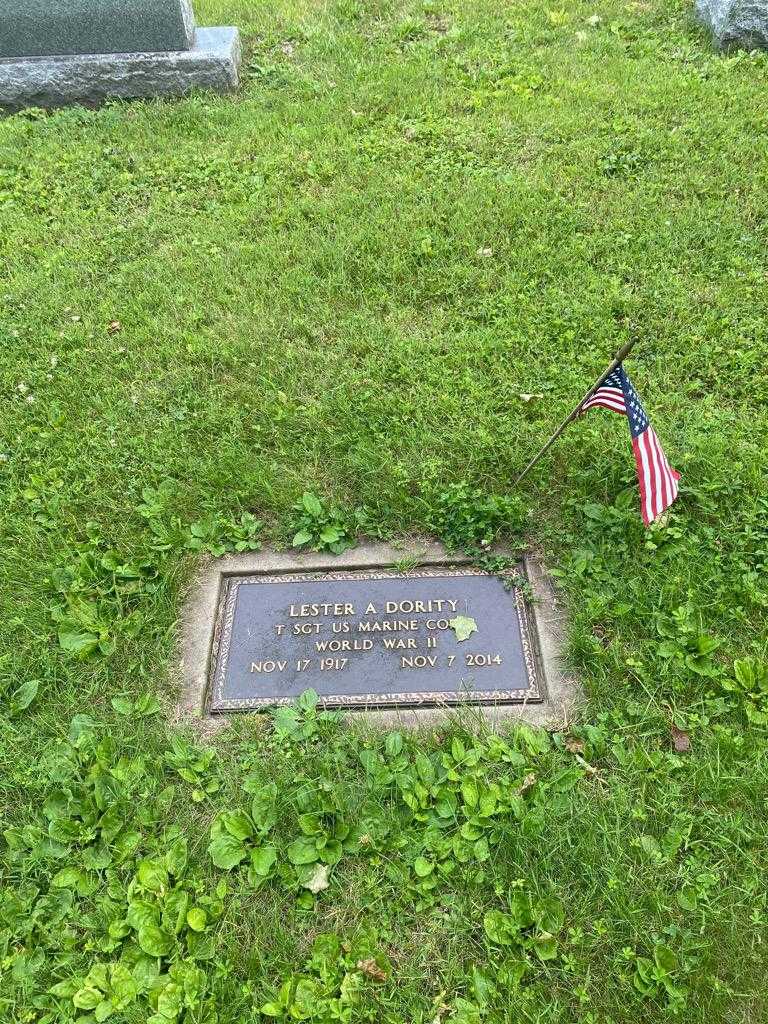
point(373, 638)
point(54, 52)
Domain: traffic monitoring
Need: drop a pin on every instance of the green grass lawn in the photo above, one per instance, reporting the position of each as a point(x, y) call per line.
point(343, 280)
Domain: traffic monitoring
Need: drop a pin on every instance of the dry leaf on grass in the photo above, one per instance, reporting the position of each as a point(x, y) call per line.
point(681, 741)
point(589, 769)
point(371, 969)
point(525, 785)
point(574, 746)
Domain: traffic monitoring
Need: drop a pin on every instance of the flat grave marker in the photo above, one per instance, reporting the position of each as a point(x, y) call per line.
point(373, 638)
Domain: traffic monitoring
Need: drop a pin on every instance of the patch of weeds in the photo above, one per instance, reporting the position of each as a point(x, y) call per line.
point(301, 720)
point(658, 976)
point(526, 924)
point(305, 862)
point(467, 519)
point(500, 81)
point(159, 925)
point(419, 821)
point(99, 596)
point(446, 813)
point(505, 568)
point(217, 534)
point(684, 646)
point(141, 707)
point(321, 528)
point(455, 808)
point(102, 591)
point(622, 163)
point(113, 988)
point(339, 980)
point(16, 699)
point(195, 765)
point(407, 564)
point(409, 31)
point(235, 835)
point(99, 861)
point(324, 834)
point(749, 686)
point(214, 533)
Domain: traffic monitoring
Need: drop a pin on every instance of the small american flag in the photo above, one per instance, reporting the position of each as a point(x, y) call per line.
point(658, 481)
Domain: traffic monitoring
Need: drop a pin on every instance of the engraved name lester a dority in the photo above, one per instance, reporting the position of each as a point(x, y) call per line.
point(338, 628)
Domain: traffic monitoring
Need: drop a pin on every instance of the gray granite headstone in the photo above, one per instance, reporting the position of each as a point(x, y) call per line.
point(37, 28)
point(736, 23)
point(54, 52)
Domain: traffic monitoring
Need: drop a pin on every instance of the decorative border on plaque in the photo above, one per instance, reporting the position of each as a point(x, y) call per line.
point(413, 698)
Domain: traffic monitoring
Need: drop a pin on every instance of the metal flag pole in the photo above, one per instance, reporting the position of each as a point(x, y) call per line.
point(620, 356)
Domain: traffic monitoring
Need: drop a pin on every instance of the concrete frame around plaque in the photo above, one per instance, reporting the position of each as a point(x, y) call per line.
point(55, 52)
point(561, 692)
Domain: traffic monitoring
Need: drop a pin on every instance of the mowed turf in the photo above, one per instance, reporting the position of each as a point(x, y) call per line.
point(382, 273)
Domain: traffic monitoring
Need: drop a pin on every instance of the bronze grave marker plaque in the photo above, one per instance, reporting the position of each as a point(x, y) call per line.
point(372, 638)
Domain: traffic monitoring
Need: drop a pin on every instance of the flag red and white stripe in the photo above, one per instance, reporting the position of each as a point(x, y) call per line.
point(658, 480)
point(606, 398)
